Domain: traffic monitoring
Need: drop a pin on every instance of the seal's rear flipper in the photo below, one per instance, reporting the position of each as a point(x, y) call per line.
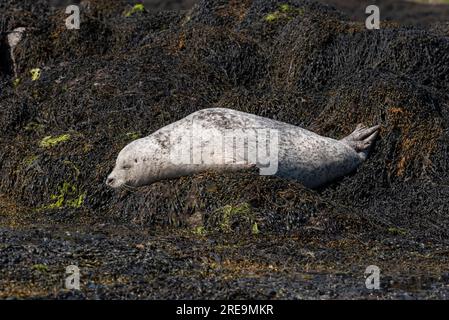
point(362, 139)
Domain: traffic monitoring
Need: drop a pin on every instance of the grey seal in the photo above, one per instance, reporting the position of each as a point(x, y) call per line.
point(228, 140)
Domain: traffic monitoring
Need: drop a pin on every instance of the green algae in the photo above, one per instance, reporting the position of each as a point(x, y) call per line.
point(51, 141)
point(68, 196)
point(136, 8)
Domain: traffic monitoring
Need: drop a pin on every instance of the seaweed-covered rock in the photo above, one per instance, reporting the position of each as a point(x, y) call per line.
point(123, 76)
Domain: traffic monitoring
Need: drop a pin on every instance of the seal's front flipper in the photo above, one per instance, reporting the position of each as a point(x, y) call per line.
point(362, 139)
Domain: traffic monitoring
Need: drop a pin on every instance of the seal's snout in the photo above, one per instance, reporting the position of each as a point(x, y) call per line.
point(113, 180)
point(110, 182)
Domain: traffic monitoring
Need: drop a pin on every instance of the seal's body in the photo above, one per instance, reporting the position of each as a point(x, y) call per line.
point(226, 140)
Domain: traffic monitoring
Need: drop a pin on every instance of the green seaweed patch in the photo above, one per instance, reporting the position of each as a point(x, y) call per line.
point(35, 74)
point(271, 17)
point(255, 228)
point(40, 267)
point(51, 141)
point(133, 135)
point(397, 231)
point(67, 197)
point(16, 82)
point(199, 231)
point(139, 7)
point(29, 160)
point(285, 11)
point(285, 7)
point(34, 127)
point(77, 202)
point(240, 217)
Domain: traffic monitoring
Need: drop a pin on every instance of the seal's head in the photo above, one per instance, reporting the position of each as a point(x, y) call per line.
point(131, 167)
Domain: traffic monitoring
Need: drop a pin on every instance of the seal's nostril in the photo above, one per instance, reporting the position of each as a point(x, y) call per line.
point(110, 181)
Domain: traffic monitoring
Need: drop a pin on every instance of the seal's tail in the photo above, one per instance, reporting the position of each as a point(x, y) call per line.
point(362, 139)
